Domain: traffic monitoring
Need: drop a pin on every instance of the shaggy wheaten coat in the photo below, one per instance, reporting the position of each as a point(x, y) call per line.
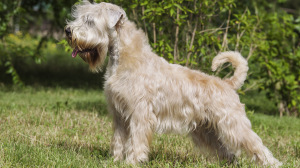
point(146, 94)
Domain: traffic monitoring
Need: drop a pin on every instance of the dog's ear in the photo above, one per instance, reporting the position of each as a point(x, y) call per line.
point(115, 17)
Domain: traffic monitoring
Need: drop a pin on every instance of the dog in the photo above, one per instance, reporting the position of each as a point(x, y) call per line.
point(146, 94)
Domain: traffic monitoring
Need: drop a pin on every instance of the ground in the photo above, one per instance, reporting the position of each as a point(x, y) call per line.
point(69, 127)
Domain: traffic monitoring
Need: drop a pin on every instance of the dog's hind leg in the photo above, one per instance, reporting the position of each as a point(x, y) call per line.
point(234, 130)
point(207, 140)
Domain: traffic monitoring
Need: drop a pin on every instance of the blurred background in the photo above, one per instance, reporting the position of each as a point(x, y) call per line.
point(34, 53)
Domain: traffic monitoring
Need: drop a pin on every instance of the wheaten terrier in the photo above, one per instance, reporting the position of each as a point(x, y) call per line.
point(146, 94)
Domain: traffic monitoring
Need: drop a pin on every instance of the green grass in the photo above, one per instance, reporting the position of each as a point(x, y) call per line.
point(64, 127)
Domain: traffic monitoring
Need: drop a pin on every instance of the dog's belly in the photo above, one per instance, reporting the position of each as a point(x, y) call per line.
point(178, 126)
point(177, 113)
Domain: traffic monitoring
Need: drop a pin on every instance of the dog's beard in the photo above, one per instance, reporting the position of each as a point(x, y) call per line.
point(93, 56)
point(90, 56)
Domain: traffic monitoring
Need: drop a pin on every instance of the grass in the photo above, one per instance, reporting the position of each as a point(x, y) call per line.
point(65, 127)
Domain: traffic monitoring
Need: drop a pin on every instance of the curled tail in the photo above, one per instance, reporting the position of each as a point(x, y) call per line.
point(238, 62)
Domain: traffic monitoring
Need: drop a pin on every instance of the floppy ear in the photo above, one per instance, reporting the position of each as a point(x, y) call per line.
point(114, 16)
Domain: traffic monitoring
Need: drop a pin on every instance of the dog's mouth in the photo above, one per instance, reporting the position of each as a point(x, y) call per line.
point(75, 52)
point(88, 55)
point(78, 51)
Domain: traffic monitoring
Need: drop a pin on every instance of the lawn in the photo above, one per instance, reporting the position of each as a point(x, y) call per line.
point(70, 127)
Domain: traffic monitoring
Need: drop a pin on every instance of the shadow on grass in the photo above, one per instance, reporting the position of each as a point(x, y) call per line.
point(76, 77)
point(86, 150)
point(56, 70)
point(174, 157)
point(97, 106)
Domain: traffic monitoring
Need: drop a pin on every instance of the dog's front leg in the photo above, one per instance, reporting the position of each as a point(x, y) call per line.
point(119, 137)
point(139, 138)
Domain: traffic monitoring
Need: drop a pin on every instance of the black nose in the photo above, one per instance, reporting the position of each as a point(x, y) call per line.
point(68, 31)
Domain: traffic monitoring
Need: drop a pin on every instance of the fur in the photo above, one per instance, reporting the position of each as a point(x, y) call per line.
point(146, 94)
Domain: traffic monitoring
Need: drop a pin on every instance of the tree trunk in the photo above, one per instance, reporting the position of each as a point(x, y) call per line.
point(144, 22)
point(154, 35)
point(176, 38)
point(192, 42)
point(281, 108)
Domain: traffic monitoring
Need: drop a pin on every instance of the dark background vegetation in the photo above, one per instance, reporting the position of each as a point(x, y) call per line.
point(33, 51)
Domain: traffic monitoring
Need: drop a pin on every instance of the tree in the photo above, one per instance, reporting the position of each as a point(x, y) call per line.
point(19, 17)
point(190, 33)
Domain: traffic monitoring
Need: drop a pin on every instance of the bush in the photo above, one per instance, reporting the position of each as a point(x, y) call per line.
point(191, 33)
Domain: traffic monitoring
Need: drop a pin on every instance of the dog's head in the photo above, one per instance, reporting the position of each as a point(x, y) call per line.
point(90, 31)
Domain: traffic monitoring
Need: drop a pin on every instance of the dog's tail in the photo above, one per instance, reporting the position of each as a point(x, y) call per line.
point(238, 62)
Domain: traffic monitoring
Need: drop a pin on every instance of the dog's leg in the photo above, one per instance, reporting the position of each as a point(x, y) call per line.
point(206, 139)
point(119, 137)
point(235, 132)
point(140, 136)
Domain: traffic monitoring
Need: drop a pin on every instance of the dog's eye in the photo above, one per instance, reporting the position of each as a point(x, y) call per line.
point(89, 21)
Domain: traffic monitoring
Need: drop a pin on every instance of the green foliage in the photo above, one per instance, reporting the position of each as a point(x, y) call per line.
point(283, 70)
point(278, 56)
point(66, 45)
point(183, 32)
point(270, 40)
point(7, 12)
point(8, 9)
point(27, 16)
point(190, 33)
point(16, 47)
point(56, 68)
